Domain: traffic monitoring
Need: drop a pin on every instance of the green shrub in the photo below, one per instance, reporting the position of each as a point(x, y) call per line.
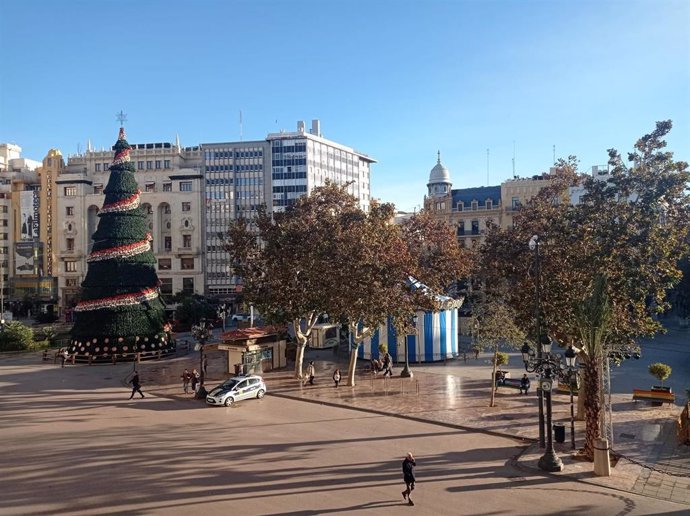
point(501, 358)
point(16, 337)
point(660, 371)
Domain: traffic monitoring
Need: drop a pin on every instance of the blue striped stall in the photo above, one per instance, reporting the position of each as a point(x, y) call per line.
point(436, 339)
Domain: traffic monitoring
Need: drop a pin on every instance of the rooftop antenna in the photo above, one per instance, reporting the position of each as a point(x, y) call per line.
point(554, 154)
point(514, 176)
point(78, 149)
point(121, 117)
point(487, 167)
point(241, 125)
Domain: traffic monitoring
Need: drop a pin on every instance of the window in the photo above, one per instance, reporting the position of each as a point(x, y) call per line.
point(187, 264)
point(166, 209)
point(167, 187)
point(164, 264)
point(515, 203)
point(158, 163)
point(98, 167)
point(461, 228)
point(166, 286)
point(166, 163)
point(140, 165)
point(186, 206)
point(187, 241)
point(70, 191)
point(71, 266)
point(489, 204)
point(474, 205)
point(188, 285)
point(149, 165)
point(185, 186)
point(167, 242)
point(106, 167)
point(475, 227)
point(69, 211)
point(70, 244)
point(150, 186)
point(98, 188)
point(71, 282)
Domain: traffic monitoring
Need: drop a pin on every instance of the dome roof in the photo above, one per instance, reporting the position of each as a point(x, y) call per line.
point(439, 174)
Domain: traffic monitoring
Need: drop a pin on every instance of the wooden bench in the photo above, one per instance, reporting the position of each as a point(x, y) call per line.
point(511, 383)
point(658, 396)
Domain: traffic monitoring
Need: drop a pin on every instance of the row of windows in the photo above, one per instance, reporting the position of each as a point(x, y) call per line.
point(165, 264)
point(289, 175)
point(290, 188)
point(253, 167)
point(289, 161)
point(297, 147)
point(488, 204)
point(210, 155)
point(220, 181)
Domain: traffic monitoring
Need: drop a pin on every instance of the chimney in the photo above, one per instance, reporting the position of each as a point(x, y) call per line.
point(316, 128)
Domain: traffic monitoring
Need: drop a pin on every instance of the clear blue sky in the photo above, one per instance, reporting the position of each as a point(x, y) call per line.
point(394, 79)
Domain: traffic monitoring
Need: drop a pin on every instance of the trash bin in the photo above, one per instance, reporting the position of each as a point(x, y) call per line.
point(559, 432)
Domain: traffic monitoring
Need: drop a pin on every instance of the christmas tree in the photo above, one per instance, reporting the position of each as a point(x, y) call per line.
point(120, 312)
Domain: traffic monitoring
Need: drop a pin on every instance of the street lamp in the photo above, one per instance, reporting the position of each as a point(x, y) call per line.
point(406, 372)
point(201, 333)
point(534, 246)
point(549, 367)
point(222, 313)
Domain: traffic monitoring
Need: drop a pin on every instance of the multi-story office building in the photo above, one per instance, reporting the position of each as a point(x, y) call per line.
point(171, 181)
point(241, 176)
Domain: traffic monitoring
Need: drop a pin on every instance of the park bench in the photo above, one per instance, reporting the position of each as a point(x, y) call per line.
point(654, 395)
point(511, 383)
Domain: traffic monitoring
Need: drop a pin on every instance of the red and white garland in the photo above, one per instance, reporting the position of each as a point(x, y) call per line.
point(122, 156)
point(122, 251)
point(133, 298)
point(126, 204)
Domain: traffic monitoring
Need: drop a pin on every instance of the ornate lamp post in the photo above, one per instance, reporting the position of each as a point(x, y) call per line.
point(201, 333)
point(406, 372)
point(549, 367)
point(534, 246)
point(222, 313)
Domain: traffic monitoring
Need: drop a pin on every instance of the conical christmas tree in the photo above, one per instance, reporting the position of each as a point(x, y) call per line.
point(120, 312)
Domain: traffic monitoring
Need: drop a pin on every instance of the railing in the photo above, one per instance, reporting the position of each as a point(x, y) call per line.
point(394, 385)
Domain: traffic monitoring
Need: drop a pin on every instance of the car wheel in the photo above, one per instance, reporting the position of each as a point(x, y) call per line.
point(229, 401)
point(260, 394)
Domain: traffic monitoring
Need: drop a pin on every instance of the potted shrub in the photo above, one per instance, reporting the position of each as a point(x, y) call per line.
point(661, 372)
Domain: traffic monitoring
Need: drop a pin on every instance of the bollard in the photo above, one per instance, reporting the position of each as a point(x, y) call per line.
point(602, 463)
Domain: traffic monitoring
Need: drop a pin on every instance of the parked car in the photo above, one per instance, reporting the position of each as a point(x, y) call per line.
point(236, 389)
point(240, 317)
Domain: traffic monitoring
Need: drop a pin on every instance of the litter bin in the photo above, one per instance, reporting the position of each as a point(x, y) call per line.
point(559, 432)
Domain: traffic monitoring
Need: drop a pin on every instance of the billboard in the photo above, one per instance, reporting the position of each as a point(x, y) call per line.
point(25, 258)
point(29, 204)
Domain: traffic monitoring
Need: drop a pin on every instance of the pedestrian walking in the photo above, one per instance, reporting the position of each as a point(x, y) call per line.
point(64, 356)
point(408, 466)
point(136, 385)
point(186, 377)
point(336, 377)
point(387, 365)
point(195, 379)
point(311, 372)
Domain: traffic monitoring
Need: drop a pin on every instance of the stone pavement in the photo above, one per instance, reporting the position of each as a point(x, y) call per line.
point(457, 394)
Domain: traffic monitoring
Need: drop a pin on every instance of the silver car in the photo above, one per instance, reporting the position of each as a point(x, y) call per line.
point(236, 389)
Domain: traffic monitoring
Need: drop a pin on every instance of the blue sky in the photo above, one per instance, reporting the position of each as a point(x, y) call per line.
point(397, 80)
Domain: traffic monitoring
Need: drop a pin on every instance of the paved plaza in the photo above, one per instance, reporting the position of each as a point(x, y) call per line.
point(75, 444)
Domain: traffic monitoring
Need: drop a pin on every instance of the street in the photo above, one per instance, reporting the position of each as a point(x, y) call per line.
point(75, 444)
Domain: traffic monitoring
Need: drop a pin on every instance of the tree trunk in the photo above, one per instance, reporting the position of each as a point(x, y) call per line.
point(299, 358)
point(352, 366)
point(581, 399)
point(493, 377)
point(592, 404)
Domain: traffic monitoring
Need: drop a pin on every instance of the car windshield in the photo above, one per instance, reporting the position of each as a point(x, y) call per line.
point(230, 384)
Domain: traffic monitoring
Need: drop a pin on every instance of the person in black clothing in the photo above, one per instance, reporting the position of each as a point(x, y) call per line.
point(524, 384)
point(387, 365)
point(408, 476)
point(136, 385)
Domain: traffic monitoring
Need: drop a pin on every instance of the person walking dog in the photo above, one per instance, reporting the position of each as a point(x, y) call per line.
point(408, 466)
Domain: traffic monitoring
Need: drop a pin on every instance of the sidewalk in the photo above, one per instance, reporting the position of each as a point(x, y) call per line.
point(457, 394)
